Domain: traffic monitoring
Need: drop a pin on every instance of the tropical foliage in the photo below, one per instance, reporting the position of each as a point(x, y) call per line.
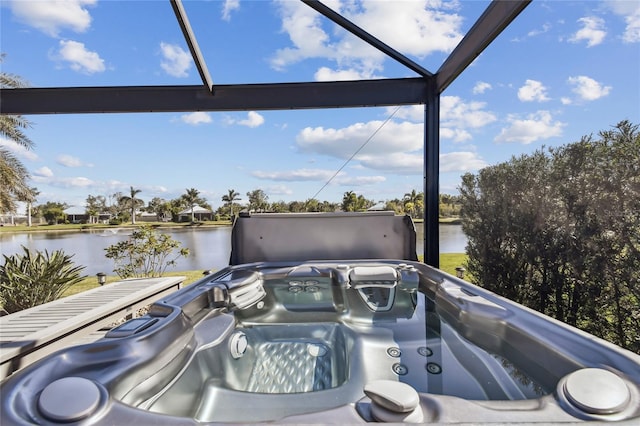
point(34, 278)
point(147, 253)
point(229, 199)
point(13, 174)
point(132, 202)
point(559, 231)
point(192, 199)
point(258, 200)
point(354, 203)
point(53, 212)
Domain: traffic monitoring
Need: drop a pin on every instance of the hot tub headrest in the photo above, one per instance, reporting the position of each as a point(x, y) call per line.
point(274, 237)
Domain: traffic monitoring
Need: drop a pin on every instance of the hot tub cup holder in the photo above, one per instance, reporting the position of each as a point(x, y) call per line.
point(71, 399)
point(598, 394)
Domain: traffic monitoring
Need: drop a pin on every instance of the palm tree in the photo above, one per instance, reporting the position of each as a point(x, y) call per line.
point(192, 198)
point(132, 201)
point(349, 202)
point(413, 200)
point(229, 199)
point(13, 174)
point(30, 198)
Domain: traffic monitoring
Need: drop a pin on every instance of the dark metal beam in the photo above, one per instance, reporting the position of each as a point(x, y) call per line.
point(247, 97)
point(495, 18)
point(432, 176)
point(368, 38)
point(192, 42)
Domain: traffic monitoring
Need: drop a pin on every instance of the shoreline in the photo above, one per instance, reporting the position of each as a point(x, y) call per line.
point(68, 228)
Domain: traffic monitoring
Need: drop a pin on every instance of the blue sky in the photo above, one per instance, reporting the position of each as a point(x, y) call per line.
point(563, 69)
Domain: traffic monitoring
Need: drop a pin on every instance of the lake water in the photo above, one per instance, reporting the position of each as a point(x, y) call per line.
point(209, 248)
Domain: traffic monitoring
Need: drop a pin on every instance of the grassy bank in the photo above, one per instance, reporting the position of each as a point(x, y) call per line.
point(98, 226)
point(78, 227)
point(448, 263)
point(92, 281)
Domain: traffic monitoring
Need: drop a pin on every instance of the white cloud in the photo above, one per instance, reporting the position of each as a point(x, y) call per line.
point(402, 163)
point(630, 11)
point(327, 74)
point(545, 28)
point(481, 87)
point(303, 25)
point(70, 161)
point(17, 149)
point(278, 190)
point(413, 113)
point(593, 31)
point(415, 28)
point(295, 175)
point(343, 143)
point(536, 126)
point(43, 172)
point(456, 135)
point(228, 7)
point(457, 115)
point(65, 182)
point(195, 118)
point(463, 161)
point(253, 120)
point(76, 182)
point(587, 88)
point(53, 16)
point(176, 61)
point(358, 180)
point(397, 147)
point(79, 58)
point(533, 91)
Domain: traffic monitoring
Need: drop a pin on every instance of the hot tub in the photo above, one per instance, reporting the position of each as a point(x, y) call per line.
point(326, 341)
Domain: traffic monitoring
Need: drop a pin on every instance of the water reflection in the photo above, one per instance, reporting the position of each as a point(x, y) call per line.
point(210, 248)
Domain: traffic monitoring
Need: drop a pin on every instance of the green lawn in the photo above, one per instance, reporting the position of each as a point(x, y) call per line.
point(448, 263)
point(84, 227)
point(92, 281)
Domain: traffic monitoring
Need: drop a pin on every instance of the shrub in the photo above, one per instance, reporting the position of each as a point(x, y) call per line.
point(146, 254)
point(34, 278)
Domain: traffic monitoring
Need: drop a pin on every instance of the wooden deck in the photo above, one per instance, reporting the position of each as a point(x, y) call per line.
point(34, 333)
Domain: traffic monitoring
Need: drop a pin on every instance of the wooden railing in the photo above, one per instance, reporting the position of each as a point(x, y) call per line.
point(34, 333)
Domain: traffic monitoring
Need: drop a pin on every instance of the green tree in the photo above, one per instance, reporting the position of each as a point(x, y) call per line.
point(176, 206)
point(147, 253)
point(160, 207)
point(296, 207)
point(354, 203)
point(192, 199)
point(414, 203)
point(559, 231)
point(94, 205)
point(230, 199)
point(349, 201)
point(34, 278)
point(30, 198)
point(53, 212)
point(279, 207)
point(132, 202)
point(395, 205)
point(258, 200)
point(13, 174)
point(363, 203)
point(312, 205)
